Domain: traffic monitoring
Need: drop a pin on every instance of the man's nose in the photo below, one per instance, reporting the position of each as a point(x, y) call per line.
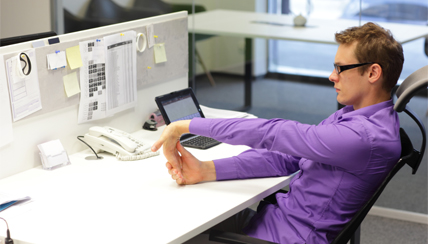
point(333, 76)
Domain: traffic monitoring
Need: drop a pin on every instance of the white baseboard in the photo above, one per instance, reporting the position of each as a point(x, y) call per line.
point(399, 214)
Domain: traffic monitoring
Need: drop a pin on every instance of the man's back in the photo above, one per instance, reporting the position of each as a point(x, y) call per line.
point(324, 197)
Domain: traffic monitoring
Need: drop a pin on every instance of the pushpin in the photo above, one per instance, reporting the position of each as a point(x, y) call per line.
point(122, 34)
point(149, 67)
point(155, 36)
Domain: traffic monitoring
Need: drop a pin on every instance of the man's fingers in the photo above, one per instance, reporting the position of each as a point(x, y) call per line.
point(180, 181)
point(183, 151)
point(157, 145)
point(172, 157)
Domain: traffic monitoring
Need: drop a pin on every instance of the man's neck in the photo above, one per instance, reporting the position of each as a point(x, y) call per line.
point(373, 100)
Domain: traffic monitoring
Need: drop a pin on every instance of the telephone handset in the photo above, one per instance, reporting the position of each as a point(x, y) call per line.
point(118, 143)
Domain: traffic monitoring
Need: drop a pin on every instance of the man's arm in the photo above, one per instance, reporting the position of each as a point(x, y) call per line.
point(332, 144)
point(186, 169)
point(249, 164)
point(256, 163)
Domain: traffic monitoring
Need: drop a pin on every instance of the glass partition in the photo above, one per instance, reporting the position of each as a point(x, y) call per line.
point(312, 57)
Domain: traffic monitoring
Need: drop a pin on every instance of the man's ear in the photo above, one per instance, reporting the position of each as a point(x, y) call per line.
point(374, 73)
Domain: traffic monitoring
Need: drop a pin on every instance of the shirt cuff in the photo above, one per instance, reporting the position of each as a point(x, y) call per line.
point(200, 126)
point(225, 169)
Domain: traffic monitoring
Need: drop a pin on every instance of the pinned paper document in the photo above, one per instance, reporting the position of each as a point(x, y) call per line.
point(56, 60)
point(6, 130)
point(73, 57)
point(150, 36)
point(160, 54)
point(71, 84)
point(22, 76)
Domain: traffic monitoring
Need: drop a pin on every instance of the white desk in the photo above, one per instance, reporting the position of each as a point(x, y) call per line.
point(270, 26)
point(110, 201)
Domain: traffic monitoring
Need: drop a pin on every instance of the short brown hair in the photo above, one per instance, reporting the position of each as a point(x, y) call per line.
point(375, 44)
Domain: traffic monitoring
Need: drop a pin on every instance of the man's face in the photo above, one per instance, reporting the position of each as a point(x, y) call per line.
point(350, 84)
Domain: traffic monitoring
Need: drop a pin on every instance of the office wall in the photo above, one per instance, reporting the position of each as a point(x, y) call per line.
point(22, 153)
point(21, 17)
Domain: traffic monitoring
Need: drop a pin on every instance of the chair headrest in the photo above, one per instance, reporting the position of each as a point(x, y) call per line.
point(415, 82)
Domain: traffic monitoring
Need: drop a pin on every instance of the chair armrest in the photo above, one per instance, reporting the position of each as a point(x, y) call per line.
point(234, 238)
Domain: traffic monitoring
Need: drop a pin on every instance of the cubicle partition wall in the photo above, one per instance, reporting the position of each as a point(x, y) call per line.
point(58, 117)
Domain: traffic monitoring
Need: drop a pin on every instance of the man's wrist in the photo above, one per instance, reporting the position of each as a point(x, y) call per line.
point(208, 171)
point(183, 126)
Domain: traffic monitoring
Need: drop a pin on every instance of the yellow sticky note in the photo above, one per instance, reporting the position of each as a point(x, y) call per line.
point(73, 57)
point(160, 54)
point(71, 84)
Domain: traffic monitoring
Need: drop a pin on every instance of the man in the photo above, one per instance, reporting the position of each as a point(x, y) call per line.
point(341, 161)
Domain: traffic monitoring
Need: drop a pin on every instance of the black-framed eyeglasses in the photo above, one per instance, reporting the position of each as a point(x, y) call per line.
point(340, 68)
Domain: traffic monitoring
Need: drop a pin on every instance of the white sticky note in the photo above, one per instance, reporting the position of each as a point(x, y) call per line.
point(40, 43)
point(150, 36)
point(57, 60)
point(160, 54)
point(71, 84)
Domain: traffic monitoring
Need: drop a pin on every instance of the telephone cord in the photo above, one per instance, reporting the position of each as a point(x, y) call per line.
point(136, 157)
point(7, 240)
point(88, 145)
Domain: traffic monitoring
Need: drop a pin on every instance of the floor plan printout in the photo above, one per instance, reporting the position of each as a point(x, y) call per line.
point(121, 72)
point(6, 129)
point(92, 81)
point(24, 89)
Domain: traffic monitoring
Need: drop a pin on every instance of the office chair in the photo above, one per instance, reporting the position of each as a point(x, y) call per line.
point(417, 81)
point(73, 23)
point(158, 5)
point(107, 11)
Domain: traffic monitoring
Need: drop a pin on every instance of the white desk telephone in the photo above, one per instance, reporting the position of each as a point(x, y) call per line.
point(118, 143)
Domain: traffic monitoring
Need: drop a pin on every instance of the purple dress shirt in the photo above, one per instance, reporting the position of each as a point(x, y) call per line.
point(341, 161)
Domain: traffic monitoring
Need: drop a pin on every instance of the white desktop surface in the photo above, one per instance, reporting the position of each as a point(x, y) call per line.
point(242, 24)
point(110, 201)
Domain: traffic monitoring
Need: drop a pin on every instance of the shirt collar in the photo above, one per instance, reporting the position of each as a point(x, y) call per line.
point(366, 111)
